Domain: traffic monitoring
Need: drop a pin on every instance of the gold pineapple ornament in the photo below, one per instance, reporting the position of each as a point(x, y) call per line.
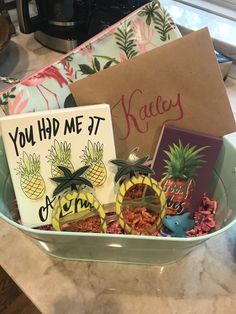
point(60, 155)
point(31, 181)
point(93, 157)
point(74, 202)
point(142, 215)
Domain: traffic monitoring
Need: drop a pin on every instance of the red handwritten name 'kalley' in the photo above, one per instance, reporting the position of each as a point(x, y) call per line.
point(151, 109)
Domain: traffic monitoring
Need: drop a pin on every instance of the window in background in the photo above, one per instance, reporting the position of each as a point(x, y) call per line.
point(231, 4)
point(224, 8)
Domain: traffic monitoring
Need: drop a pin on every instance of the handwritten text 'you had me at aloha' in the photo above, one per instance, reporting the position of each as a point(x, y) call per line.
point(48, 128)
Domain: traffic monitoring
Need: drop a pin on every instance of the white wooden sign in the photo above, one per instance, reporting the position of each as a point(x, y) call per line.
point(37, 143)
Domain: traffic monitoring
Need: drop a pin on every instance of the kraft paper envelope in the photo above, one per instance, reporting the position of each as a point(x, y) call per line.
point(179, 84)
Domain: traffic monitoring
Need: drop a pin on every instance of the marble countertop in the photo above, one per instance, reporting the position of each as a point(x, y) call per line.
point(24, 56)
point(203, 282)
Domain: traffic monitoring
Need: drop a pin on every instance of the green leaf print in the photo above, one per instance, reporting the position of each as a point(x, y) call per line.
point(149, 11)
point(69, 58)
point(164, 24)
point(107, 65)
point(160, 18)
point(69, 101)
point(124, 40)
point(4, 98)
point(96, 64)
point(86, 69)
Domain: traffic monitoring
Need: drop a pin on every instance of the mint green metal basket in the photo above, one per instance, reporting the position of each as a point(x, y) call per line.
point(128, 248)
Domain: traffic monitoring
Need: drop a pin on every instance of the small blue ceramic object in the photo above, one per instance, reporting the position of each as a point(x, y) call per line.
point(177, 225)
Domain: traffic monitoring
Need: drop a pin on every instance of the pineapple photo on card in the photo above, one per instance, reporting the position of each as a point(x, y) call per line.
point(183, 163)
point(67, 151)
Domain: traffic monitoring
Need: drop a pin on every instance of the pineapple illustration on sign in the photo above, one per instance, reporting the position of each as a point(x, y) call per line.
point(180, 170)
point(139, 215)
point(75, 203)
point(31, 181)
point(93, 157)
point(60, 155)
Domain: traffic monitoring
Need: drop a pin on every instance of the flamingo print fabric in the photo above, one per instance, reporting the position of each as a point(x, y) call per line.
point(146, 28)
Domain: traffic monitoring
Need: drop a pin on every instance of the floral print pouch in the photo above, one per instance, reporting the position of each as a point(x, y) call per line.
point(146, 28)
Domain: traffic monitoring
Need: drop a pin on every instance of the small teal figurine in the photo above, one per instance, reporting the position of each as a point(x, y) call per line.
point(178, 225)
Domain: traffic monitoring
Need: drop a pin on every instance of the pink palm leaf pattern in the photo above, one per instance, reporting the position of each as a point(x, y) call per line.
point(39, 78)
point(143, 35)
point(123, 57)
point(87, 51)
point(17, 105)
point(69, 70)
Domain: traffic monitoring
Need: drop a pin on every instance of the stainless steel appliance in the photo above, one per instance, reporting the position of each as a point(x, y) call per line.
point(59, 24)
point(64, 24)
point(107, 12)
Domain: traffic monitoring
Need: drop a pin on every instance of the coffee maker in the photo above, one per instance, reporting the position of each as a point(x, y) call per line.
point(64, 24)
point(58, 24)
point(107, 12)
